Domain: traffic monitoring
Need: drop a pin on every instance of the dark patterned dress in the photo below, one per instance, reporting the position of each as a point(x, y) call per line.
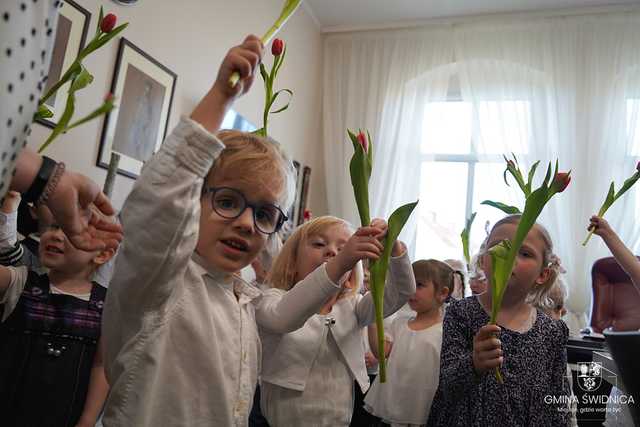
point(47, 346)
point(535, 391)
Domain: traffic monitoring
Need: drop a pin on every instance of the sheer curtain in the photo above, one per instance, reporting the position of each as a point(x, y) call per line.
point(378, 81)
point(562, 87)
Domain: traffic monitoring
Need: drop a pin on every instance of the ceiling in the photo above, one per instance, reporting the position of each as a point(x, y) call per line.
point(340, 15)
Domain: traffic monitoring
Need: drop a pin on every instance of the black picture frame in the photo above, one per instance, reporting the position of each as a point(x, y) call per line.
point(143, 89)
point(69, 40)
point(304, 193)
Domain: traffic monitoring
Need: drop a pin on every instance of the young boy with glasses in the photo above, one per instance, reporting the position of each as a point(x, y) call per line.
point(182, 344)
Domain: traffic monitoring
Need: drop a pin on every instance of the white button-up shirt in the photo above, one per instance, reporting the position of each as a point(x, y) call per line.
point(181, 341)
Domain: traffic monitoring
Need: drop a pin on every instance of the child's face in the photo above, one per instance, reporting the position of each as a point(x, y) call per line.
point(320, 248)
point(426, 297)
point(231, 244)
point(57, 253)
point(528, 270)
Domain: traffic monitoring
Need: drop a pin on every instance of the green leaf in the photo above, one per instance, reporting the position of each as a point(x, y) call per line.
point(509, 210)
point(62, 122)
point(100, 41)
point(100, 17)
point(71, 72)
point(627, 185)
point(43, 112)
point(106, 107)
point(378, 270)
point(259, 132)
point(532, 172)
point(288, 8)
point(273, 100)
point(464, 236)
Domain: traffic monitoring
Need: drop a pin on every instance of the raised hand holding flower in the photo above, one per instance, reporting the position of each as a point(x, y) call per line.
point(360, 171)
point(612, 196)
point(287, 11)
point(503, 254)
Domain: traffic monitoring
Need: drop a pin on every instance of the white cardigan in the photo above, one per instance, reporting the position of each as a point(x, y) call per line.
point(287, 358)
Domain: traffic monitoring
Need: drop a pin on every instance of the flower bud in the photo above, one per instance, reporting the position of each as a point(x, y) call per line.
point(108, 23)
point(362, 139)
point(561, 181)
point(277, 47)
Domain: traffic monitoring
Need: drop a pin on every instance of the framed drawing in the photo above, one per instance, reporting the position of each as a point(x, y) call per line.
point(69, 40)
point(304, 194)
point(143, 89)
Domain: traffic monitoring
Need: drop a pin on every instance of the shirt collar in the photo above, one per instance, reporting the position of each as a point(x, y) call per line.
point(244, 290)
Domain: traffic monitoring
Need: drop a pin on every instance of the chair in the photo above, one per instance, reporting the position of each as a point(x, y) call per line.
point(625, 350)
point(616, 301)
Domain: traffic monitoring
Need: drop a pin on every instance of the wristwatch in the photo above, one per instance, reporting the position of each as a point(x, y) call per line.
point(40, 181)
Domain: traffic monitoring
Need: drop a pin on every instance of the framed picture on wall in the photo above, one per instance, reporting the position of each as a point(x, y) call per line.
point(69, 40)
point(143, 89)
point(304, 194)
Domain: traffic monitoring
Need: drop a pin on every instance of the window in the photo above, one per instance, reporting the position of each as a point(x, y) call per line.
point(462, 165)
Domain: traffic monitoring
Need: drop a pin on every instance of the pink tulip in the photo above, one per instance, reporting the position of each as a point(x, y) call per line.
point(561, 181)
point(362, 139)
point(108, 23)
point(277, 47)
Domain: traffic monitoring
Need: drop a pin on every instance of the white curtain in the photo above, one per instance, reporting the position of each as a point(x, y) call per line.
point(578, 75)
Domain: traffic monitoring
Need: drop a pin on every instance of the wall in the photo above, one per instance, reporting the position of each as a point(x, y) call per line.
point(191, 37)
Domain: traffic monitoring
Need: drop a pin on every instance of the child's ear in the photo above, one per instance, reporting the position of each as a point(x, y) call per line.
point(443, 294)
point(545, 276)
point(104, 256)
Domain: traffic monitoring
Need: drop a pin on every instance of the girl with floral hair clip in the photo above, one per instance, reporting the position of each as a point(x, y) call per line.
point(527, 345)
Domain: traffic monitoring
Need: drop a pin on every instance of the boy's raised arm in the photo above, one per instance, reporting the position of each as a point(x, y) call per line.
point(161, 215)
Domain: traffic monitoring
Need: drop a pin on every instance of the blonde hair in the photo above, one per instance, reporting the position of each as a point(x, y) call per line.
point(539, 296)
point(437, 272)
point(557, 296)
point(257, 160)
point(283, 273)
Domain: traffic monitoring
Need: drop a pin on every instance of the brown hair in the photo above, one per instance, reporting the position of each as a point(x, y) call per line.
point(539, 296)
point(283, 273)
point(437, 272)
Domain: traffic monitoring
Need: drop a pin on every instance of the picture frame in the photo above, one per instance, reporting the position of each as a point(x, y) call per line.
point(304, 194)
point(69, 40)
point(143, 89)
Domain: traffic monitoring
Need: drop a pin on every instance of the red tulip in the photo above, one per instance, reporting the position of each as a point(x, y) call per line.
point(307, 215)
point(362, 139)
point(108, 23)
point(108, 97)
point(276, 47)
point(561, 181)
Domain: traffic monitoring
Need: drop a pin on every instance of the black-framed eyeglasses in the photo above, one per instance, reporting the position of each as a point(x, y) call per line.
point(230, 203)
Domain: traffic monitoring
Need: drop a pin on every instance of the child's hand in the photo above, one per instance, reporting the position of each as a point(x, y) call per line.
point(398, 247)
point(487, 349)
point(244, 59)
point(363, 244)
point(11, 202)
point(370, 360)
point(600, 227)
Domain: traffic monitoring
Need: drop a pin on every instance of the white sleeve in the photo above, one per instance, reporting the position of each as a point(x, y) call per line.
point(161, 219)
point(8, 229)
point(282, 312)
point(9, 299)
point(399, 287)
